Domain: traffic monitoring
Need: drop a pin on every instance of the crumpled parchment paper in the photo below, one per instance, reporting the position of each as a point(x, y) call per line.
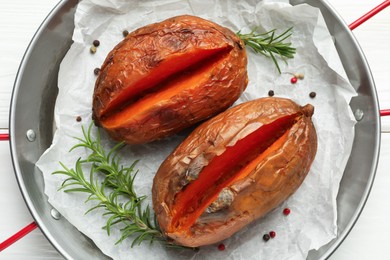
point(312, 222)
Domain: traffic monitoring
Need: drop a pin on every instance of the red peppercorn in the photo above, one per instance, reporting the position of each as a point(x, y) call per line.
point(294, 80)
point(272, 234)
point(286, 211)
point(221, 247)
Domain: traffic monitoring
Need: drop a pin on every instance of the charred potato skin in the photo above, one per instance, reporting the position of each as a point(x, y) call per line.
point(145, 49)
point(269, 184)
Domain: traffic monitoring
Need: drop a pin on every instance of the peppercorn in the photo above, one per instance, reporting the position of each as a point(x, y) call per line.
point(299, 76)
point(271, 93)
point(221, 247)
point(312, 94)
point(92, 49)
point(266, 237)
point(96, 71)
point(125, 33)
point(78, 118)
point(272, 234)
point(286, 211)
point(294, 80)
point(96, 43)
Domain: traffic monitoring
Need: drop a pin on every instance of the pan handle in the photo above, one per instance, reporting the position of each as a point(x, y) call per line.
point(370, 14)
point(24, 231)
point(18, 235)
point(364, 18)
point(384, 112)
point(4, 137)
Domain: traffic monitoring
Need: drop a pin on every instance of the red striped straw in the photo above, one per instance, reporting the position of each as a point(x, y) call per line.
point(18, 235)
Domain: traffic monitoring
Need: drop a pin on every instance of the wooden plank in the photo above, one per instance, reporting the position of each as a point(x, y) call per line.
point(19, 20)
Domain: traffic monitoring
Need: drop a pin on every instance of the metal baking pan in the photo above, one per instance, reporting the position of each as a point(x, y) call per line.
point(32, 108)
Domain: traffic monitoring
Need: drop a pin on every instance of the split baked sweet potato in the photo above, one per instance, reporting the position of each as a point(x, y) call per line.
point(166, 76)
point(233, 169)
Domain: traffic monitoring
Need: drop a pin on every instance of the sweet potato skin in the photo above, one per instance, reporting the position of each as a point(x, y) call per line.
point(143, 52)
point(271, 182)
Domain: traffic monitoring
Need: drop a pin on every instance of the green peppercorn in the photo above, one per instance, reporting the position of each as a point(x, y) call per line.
point(299, 76)
point(92, 49)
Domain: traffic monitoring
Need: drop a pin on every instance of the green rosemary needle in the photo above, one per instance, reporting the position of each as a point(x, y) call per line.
point(135, 220)
point(268, 44)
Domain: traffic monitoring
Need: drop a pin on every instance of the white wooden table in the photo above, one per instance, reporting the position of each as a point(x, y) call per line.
point(369, 239)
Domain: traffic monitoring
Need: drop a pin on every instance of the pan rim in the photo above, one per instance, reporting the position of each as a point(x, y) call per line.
point(12, 141)
point(13, 147)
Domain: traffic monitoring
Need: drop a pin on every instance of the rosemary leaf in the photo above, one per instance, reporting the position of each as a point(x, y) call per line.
point(135, 221)
point(268, 44)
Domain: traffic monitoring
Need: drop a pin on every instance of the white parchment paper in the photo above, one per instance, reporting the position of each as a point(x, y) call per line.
point(312, 222)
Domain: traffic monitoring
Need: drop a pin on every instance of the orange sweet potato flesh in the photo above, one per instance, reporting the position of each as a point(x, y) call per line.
point(167, 76)
point(260, 151)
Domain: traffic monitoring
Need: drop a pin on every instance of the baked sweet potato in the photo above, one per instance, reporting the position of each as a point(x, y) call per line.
point(167, 76)
point(233, 169)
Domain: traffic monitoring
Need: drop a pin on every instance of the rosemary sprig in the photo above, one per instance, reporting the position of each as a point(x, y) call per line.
point(268, 44)
point(117, 185)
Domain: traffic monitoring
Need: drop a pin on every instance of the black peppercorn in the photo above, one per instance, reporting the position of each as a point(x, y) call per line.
point(312, 94)
point(271, 93)
point(96, 43)
point(96, 71)
point(125, 33)
point(266, 237)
